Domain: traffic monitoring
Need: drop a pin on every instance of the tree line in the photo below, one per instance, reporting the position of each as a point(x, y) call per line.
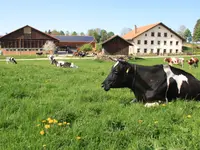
point(100, 35)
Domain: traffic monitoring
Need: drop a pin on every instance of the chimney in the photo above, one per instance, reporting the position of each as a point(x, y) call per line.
point(135, 29)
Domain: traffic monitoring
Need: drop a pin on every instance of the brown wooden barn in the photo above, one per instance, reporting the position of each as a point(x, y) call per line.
point(28, 41)
point(116, 45)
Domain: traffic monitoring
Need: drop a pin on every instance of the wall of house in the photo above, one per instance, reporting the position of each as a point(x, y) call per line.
point(156, 48)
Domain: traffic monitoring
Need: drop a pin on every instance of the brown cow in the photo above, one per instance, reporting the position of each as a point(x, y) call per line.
point(193, 61)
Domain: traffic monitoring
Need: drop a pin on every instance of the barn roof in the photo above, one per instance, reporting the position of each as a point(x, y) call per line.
point(115, 36)
point(32, 28)
point(63, 38)
point(139, 30)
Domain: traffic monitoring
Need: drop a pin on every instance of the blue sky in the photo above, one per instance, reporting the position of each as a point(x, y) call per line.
point(111, 15)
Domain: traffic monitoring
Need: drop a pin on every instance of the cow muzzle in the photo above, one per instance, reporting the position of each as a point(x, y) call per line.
point(105, 86)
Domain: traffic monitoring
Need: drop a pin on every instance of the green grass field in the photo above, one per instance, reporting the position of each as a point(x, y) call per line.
point(45, 107)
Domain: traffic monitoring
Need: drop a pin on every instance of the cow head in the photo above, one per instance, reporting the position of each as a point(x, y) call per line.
point(118, 76)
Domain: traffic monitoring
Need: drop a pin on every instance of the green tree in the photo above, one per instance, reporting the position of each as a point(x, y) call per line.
point(67, 33)
point(196, 33)
point(187, 35)
point(74, 33)
point(62, 33)
point(82, 34)
point(99, 47)
point(181, 30)
point(110, 34)
point(55, 32)
point(86, 47)
point(103, 35)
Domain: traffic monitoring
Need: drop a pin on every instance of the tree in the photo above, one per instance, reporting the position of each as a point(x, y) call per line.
point(110, 34)
point(49, 46)
point(67, 33)
point(62, 33)
point(187, 35)
point(196, 33)
point(49, 31)
point(82, 34)
point(99, 47)
point(125, 30)
point(181, 30)
point(86, 47)
point(74, 33)
point(103, 35)
point(55, 32)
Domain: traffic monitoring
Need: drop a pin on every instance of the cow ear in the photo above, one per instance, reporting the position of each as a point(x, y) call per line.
point(127, 71)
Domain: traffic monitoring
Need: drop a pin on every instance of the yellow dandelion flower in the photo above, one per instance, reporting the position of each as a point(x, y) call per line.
point(156, 122)
point(42, 132)
point(38, 125)
point(189, 116)
point(78, 137)
point(44, 121)
point(55, 121)
point(68, 123)
point(51, 121)
point(44, 145)
point(65, 122)
point(60, 124)
point(140, 121)
point(163, 105)
point(47, 126)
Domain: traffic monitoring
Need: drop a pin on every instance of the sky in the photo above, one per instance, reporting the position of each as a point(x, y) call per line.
point(111, 15)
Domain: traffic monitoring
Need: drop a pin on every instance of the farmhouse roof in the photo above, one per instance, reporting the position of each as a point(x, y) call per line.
point(139, 30)
point(115, 37)
point(63, 38)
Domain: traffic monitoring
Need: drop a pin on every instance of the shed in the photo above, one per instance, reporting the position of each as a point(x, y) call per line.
point(116, 45)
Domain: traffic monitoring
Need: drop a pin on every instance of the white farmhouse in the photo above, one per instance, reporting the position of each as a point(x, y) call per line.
point(154, 39)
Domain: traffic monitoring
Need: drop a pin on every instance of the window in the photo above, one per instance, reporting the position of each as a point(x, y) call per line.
point(152, 33)
point(171, 42)
point(176, 42)
point(145, 50)
point(171, 35)
point(158, 42)
point(158, 27)
point(165, 34)
point(159, 34)
point(145, 34)
point(151, 50)
point(138, 42)
point(145, 42)
point(138, 50)
point(176, 50)
point(152, 42)
point(165, 42)
point(170, 51)
point(164, 51)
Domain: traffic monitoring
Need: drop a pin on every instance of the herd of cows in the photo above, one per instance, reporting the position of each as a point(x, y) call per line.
point(150, 84)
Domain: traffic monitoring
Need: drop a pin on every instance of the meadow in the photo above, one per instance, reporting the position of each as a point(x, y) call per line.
point(45, 107)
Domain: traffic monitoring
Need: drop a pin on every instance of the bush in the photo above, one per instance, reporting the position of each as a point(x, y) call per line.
point(86, 47)
point(99, 47)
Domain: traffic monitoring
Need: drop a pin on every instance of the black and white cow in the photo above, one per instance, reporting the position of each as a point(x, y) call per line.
point(11, 59)
point(153, 83)
point(63, 64)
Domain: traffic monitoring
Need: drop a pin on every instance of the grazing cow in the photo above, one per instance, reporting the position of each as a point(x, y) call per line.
point(174, 60)
point(158, 83)
point(11, 59)
point(193, 61)
point(51, 58)
point(63, 64)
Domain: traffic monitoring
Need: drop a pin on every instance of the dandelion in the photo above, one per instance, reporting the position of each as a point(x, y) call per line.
point(140, 121)
point(163, 105)
point(51, 121)
point(65, 122)
point(43, 121)
point(60, 124)
point(189, 116)
point(42, 132)
point(44, 145)
point(156, 122)
point(55, 121)
point(68, 123)
point(47, 126)
point(78, 137)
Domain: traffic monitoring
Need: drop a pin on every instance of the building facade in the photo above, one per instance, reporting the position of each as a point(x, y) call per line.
point(154, 39)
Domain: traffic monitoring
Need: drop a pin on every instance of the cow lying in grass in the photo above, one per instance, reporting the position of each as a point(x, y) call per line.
point(193, 62)
point(153, 83)
point(63, 64)
point(11, 60)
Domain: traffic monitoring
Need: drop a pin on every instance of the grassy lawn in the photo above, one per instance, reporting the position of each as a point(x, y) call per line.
point(24, 56)
point(74, 112)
